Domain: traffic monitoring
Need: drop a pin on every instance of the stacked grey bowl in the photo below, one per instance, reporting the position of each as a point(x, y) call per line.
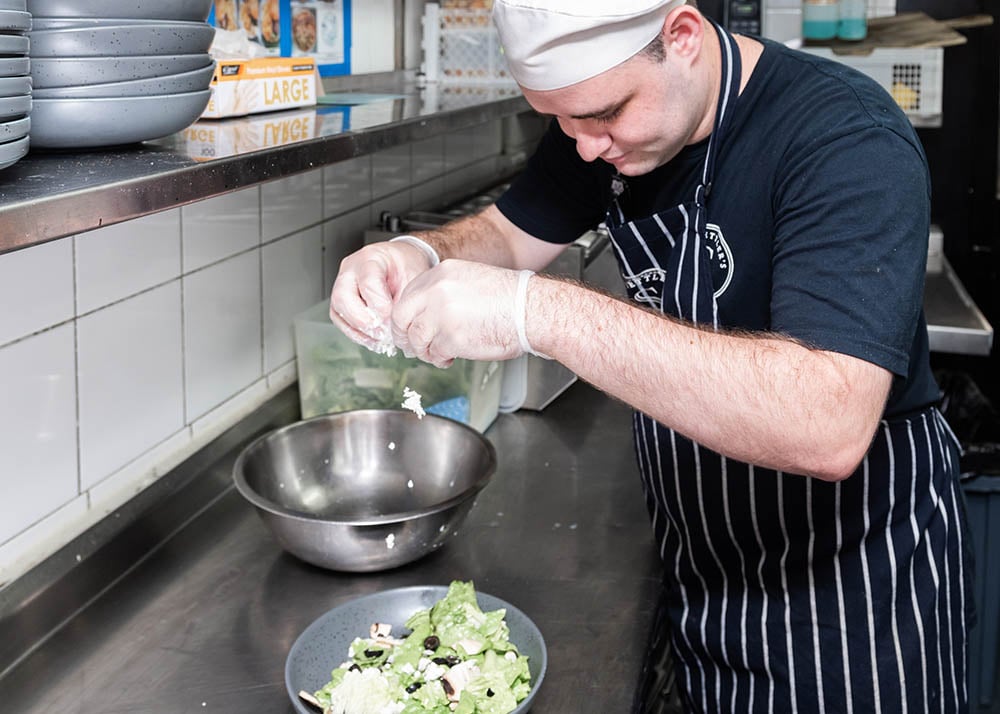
point(15, 83)
point(110, 72)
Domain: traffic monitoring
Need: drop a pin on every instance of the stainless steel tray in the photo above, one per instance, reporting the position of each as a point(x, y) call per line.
point(954, 322)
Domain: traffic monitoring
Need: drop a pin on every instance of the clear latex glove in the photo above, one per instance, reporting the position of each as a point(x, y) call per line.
point(458, 309)
point(366, 286)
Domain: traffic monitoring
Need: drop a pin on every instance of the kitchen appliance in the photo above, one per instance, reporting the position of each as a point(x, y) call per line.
point(779, 20)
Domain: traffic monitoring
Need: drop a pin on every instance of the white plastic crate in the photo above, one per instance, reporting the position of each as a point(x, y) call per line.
point(461, 46)
point(913, 76)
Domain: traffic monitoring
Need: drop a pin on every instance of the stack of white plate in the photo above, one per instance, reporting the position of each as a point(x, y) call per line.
point(15, 83)
point(107, 72)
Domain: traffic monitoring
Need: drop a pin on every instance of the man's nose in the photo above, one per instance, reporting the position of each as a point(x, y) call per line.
point(591, 141)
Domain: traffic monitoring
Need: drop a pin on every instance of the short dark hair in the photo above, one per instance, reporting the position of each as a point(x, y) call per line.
point(655, 50)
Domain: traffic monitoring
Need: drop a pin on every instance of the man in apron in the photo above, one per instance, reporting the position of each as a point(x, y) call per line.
point(769, 211)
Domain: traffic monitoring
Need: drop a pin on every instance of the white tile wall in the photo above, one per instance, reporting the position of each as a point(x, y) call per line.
point(347, 185)
point(38, 466)
point(428, 159)
point(459, 148)
point(341, 237)
point(36, 288)
point(134, 345)
point(221, 227)
point(222, 332)
point(124, 259)
point(428, 196)
point(291, 204)
point(293, 282)
point(391, 170)
point(131, 383)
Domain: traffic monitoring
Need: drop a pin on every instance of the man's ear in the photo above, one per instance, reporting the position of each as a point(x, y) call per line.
point(683, 32)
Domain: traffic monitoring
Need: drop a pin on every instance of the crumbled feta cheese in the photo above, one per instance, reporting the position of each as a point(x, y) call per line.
point(379, 331)
point(434, 671)
point(411, 401)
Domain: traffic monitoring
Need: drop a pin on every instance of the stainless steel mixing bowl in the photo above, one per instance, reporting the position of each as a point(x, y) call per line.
point(365, 490)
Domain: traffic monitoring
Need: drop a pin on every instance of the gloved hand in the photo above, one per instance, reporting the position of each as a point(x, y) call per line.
point(458, 309)
point(369, 281)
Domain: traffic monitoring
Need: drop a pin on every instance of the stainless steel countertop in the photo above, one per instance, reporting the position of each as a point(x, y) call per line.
point(49, 195)
point(205, 622)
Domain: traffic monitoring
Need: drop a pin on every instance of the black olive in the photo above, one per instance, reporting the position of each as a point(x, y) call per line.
point(448, 689)
point(431, 642)
point(414, 687)
point(354, 668)
point(489, 692)
point(440, 660)
point(373, 653)
point(452, 660)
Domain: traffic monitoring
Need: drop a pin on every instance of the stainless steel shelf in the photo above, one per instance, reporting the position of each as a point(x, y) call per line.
point(954, 322)
point(46, 196)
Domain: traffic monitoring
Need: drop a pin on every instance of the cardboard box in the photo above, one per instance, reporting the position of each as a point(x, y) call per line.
point(263, 84)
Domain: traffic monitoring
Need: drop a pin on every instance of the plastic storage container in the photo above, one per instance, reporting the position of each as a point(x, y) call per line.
point(335, 374)
point(853, 23)
point(820, 19)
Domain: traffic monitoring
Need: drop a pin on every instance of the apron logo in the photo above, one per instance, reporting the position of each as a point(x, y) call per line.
point(647, 287)
point(720, 258)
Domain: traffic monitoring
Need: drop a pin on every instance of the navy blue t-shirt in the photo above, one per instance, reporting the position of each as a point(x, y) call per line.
point(818, 214)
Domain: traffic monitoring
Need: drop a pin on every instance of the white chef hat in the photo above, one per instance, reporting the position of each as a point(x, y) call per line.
point(552, 44)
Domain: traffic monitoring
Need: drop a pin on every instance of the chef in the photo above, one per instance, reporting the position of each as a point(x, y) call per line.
point(769, 211)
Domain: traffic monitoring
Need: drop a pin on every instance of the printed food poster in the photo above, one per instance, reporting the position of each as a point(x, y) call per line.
point(293, 28)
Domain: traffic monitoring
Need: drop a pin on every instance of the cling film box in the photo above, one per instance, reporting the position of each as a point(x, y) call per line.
point(336, 374)
point(263, 84)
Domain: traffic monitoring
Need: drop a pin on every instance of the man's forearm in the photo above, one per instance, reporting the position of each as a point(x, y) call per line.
point(759, 398)
point(488, 237)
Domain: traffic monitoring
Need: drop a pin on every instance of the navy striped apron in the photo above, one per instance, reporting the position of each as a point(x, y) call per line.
point(785, 593)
